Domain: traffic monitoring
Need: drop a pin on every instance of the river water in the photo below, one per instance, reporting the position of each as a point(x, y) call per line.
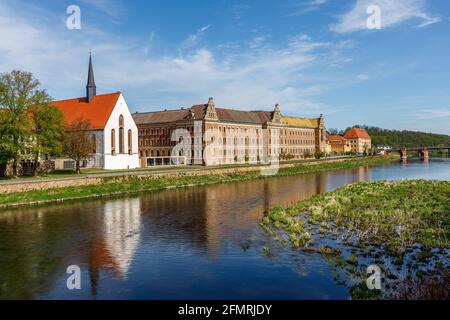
point(192, 243)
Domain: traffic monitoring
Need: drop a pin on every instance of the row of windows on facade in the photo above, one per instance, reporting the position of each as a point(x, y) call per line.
point(241, 141)
point(167, 153)
point(198, 153)
point(231, 130)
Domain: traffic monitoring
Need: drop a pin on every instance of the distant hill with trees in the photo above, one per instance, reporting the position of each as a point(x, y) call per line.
point(404, 138)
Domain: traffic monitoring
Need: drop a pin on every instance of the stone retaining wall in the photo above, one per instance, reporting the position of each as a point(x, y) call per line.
point(44, 185)
point(24, 186)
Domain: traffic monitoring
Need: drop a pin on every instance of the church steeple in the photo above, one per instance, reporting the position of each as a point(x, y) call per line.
point(91, 89)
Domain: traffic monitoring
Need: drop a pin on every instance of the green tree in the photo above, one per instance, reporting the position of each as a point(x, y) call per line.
point(48, 129)
point(307, 154)
point(78, 144)
point(19, 94)
point(319, 155)
point(6, 145)
point(404, 138)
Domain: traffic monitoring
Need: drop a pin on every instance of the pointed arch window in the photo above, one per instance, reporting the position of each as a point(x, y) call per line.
point(94, 143)
point(130, 142)
point(113, 142)
point(121, 135)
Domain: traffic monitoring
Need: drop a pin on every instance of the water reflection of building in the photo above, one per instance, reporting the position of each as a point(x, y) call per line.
point(122, 221)
point(238, 219)
point(209, 218)
point(118, 238)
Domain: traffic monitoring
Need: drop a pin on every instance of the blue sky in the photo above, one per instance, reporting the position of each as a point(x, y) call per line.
point(311, 56)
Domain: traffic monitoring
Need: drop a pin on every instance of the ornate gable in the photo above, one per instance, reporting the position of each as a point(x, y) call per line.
point(276, 116)
point(211, 113)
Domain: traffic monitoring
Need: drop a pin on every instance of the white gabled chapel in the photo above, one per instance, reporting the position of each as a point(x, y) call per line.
point(111, 126)
point(121, 138)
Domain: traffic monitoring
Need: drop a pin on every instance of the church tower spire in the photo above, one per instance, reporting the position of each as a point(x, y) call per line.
point(91, 89)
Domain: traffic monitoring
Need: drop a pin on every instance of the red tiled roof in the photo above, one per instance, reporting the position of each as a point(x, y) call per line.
point(254, 117)
point(97, 112)
point(356, 133)
point(335, 137)
point(199, 110)
point(232, 115)
point(160, 116)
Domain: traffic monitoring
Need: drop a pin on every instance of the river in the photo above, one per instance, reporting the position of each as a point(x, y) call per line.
point(192, 243)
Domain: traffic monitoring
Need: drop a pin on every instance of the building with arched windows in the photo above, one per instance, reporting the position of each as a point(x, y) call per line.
point(112, 127)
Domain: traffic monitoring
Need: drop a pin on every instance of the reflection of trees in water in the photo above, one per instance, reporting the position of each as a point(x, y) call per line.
point(33, 250)
point(38, 245)
point(206, 217)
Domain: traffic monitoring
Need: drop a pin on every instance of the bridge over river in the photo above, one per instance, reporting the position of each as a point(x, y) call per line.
point(422, 152)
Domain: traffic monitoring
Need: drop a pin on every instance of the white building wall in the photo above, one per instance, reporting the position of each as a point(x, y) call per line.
point(125, 160)
point(98, 159)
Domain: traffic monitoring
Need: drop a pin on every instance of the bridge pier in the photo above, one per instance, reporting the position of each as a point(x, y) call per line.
point(403, 154)
point(423, 154)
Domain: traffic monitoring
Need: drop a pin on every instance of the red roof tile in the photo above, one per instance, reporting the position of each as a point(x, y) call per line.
point(232, 115)
point(335, 137)
point(199, 110)
point(160, 116)
point(356, 133)
point(97, 112)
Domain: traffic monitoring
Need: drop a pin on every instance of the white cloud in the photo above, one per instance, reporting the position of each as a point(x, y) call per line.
point(148, 47)
point(257, 42)
point(194, 39)
point(362, 77)
point(304, 43)
point(239, 11)
point(393, 12)
point(111, 8)
point(306, 7)
point(244, 78)
point(429, 114)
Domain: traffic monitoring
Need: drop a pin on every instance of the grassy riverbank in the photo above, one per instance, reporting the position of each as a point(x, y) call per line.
point(132, 184)
point(403, 227)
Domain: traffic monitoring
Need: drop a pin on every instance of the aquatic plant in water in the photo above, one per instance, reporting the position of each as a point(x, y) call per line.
point(403, 227)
